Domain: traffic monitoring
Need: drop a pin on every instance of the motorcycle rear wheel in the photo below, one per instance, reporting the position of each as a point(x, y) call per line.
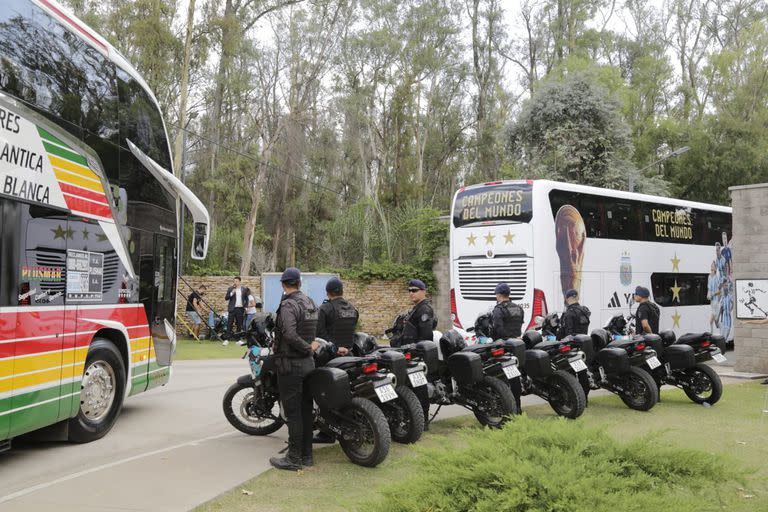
point(703, 384)
point(370, 443)
point(502, 403)
point(405, 416)
point(566, 396)
point(243, 413)
point(641, 391)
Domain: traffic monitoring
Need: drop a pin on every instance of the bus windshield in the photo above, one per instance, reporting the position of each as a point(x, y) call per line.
point(505, 202)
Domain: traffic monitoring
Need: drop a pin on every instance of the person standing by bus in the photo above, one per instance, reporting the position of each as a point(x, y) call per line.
point(507, 317)
point(194, 310)
point(575, 319)
point(648, 313)
point(293, 347)
point(237, 298)
point(338, 318)
point(421, 319)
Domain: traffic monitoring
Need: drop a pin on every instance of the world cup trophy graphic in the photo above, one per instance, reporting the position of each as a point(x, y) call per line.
point(570, 235)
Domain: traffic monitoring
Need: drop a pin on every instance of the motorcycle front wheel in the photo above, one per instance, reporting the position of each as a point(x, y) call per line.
point(497, 403)
point(366, 436)
point(252, 411)
point(405, 416)
point(566, 396)
point(640, 390)
point(702, 384)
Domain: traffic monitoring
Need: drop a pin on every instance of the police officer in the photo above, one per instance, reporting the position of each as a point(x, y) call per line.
point(421, 319)
point(293, 347)
point(575, 319)
point(338, 318)
point(648, 313)
point(507, 317)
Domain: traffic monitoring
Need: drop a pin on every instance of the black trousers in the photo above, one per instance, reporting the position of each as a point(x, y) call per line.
point(297, 406)
point(517, 391)
point(235, 318)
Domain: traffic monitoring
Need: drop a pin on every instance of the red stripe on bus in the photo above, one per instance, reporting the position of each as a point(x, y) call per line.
point(27, 348)
point(78, 205)
point(83, 192)
point(30, 324)
point(74, 24)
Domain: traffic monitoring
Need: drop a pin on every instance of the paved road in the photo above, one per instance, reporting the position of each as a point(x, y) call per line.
point(171, 450)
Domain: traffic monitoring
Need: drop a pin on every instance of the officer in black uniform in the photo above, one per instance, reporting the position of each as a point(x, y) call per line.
point(648, 313)
point(421, 320)
point(338, 318)
point(507, 317)
point(293, 347)
point(575, 319)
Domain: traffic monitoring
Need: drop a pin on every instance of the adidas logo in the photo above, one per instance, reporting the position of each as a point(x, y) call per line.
point(614, 302)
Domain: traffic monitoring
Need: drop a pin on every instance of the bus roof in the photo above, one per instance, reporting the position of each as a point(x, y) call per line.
point(623, 194)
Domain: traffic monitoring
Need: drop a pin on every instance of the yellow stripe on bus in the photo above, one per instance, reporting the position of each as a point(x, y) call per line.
point(71, 179)
point(72, 167)
point(33, 379)
point(34, 363)
point(140, 344)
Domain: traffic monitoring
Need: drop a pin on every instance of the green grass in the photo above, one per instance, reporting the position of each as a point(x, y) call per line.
point(187, 349)
point(679, 456)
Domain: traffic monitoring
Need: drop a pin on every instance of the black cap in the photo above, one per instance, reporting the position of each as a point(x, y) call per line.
point(334, 285)
point(417, 283)
point(502, 289)
point(290, 274)
point(571, 293)
point(642, 291)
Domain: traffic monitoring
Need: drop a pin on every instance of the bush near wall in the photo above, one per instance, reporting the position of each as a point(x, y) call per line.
point(378, 301)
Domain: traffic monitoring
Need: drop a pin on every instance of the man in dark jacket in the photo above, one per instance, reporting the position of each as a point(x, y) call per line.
point(293, 347)
point(421, 320)
point(507, 317)
point(575, 319)
point(338, 318)
point(237, 300)
point(647, 314)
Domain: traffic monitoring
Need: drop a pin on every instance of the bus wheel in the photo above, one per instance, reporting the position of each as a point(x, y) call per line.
point(101, 393)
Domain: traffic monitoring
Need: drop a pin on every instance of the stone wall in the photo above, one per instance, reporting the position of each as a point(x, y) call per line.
point(750, 261)
point(442, 297)
point(379, 302)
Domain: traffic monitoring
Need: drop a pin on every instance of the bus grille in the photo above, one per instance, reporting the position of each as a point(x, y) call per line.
point(479, 282)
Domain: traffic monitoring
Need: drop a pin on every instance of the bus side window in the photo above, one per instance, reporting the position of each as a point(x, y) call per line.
point(592, 214)
point(622, 220)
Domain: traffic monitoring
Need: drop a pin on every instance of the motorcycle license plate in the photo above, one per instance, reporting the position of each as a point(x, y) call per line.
point(720, 358)
point(386, 393)
point(417, 379)
point(653, 362)
point(511, 371)
point(578, 365)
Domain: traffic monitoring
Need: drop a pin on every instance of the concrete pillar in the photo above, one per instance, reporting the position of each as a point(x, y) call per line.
point(441, 298)
point(750, 261)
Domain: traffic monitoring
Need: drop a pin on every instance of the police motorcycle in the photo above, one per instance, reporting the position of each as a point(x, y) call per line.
point(683, 361)
point(251, 405)
point(544, 370)
point(385, 378)
point(456, 375)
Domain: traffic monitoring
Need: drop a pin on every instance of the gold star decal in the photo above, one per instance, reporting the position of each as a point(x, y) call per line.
point(489, 238)
point(676, 319)
point(101, 237)
point(508, 237)
point(86, 233)
point(471, 239)
point(675, 292)
point(70, 233)
point(59, 232)
point(675, 263)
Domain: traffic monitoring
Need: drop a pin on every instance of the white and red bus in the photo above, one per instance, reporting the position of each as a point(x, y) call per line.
point(544, 237)
point(89, 228)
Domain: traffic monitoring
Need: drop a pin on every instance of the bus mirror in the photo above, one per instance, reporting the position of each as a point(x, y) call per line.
point(200, 241)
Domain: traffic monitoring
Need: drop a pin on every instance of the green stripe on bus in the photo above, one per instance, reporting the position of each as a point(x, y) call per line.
point(52, 138)
point(27, 399)
point(28, 420)
point(63, 153)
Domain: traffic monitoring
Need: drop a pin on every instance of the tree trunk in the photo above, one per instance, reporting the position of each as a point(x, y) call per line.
point(178, 146)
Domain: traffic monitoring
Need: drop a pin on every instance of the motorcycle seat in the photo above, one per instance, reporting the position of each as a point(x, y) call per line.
point(347, 362)
point(693, 338)
point(482, 348)
point(548, 345)
point(623, 343)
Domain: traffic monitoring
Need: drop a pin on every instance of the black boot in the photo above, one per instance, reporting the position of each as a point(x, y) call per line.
point(288, 463)
point(307, 461)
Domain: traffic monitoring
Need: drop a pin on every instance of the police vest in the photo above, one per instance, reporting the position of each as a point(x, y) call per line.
point(578, 319)
point(341, 322)
point(306, 323)
point(511, 321)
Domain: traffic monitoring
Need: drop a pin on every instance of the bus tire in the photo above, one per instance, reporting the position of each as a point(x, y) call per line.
point(102, 389)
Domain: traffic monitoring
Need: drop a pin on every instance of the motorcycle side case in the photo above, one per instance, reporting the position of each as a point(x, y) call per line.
point(395, 362)
point(584, 343)
point(680, 357)
point(532, 338)
point(466, 368)
point(655, 342)
point(516, 348)
point(330, 388)
point(718, 340)
point(613, 360)
point(537, 363)
point(427, 352)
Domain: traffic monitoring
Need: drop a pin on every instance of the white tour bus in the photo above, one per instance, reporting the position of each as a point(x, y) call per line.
point(544, 237)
